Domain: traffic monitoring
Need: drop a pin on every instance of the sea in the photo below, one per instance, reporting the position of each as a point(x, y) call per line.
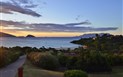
point(53, 42)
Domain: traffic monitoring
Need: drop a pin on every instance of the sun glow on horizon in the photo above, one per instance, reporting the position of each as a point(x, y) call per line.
point(42, 34)
point(53, 34)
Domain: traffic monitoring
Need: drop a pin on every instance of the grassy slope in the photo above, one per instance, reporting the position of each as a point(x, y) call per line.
point(32, 71)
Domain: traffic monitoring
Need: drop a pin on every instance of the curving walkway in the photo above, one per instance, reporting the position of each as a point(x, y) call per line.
point(11, 70)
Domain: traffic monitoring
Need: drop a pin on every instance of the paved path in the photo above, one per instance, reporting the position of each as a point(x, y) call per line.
point(11, 70)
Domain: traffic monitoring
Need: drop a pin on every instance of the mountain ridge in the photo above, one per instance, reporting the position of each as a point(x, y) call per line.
point(2, 34)
point(91, 35)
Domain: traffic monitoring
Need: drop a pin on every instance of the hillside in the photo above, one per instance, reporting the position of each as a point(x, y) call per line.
point(103, 43)
point(6, 35)
point(92, 35)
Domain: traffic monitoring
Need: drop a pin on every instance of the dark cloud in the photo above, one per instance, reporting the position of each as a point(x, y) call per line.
point(52, 27)
point(81, 23)
point(31, 6)
point(9, 8)
point(23, 1)
point(5, 23)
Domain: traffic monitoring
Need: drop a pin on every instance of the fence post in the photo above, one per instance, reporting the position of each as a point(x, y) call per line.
point(20, 72)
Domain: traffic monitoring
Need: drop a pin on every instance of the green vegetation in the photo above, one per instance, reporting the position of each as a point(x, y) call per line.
point(31, 70)
point(3, 57)
point(44, 60)
point(75, 73)
point(103, 43)
point(8, 55)
point(93, 62)
point(63, 60)
point(101, 55)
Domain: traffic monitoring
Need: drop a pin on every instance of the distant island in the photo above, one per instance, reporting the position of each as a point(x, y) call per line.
point(2, 34)
point(30, 35)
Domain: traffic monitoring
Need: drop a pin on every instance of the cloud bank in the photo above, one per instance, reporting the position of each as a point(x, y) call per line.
point(9, 8)
point(52, 27)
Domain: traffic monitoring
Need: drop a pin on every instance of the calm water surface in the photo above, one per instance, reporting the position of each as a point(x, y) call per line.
point(38, 42)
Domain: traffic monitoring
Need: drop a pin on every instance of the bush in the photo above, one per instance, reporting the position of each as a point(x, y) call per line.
point(63, 60)
point(3, 58)
point(34, 57)
point(115, 59)
point(72, 62)
point(12, 56)
point(48, 61)
point(44, 60)
point(8, 56)
point(93, 62)
point(75, 73)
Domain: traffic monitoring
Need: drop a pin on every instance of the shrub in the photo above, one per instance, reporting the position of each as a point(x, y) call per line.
point(44, 60)
point(3, 58)
point(12, 56)
point(71, 64)
point(93, 62)
point(75, 73)
point(48, 61)
point(115, 59)
point(8, 56)
point(34, 57)
point(118, 60)
point(63, 60)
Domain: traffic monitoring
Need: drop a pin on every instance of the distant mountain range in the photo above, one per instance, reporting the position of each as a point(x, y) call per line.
point(6, 35)
point(92, 35)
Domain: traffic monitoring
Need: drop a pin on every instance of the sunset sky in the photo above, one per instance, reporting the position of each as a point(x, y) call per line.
point(59, 18)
